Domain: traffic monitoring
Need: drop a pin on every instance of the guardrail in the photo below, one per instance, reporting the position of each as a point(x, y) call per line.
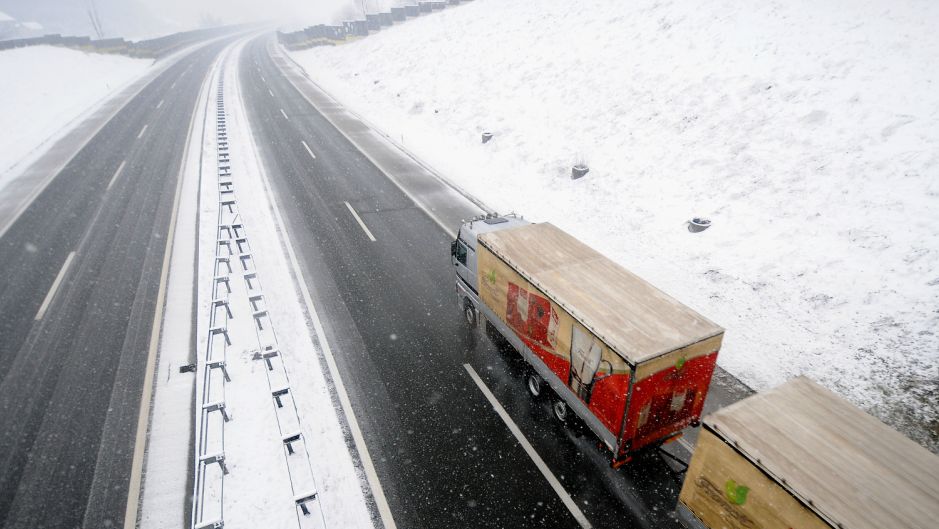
point(327, 35)
point(209, 484)
point(295, 449)
point(151, 48)
point(233, 256)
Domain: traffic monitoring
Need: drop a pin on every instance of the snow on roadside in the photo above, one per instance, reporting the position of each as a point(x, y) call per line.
point(44, 88)
point(808, 132)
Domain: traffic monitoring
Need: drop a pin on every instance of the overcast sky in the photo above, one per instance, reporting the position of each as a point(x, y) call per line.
point(146, 18)
point(249, 9)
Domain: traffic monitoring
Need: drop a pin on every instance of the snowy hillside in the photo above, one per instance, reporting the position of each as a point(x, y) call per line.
point(808, 132)
point(43, 88)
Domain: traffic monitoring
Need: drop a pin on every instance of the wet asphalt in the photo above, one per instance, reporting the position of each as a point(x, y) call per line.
point(70, 381)
point(389, 307)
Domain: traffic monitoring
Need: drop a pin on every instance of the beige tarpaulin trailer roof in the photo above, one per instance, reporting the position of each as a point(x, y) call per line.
point(853, 470)
point(634, 318)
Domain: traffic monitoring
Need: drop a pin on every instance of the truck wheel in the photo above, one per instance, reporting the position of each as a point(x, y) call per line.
point(469, 312)
point(560, 410)
point(534, 384)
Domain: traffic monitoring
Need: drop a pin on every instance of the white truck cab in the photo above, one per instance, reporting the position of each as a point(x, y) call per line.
point(463, 256)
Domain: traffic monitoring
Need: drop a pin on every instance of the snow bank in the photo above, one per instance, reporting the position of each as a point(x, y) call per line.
point(44, 88)
point(807, 132)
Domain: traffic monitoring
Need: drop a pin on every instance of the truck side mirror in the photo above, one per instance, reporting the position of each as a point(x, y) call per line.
point(453, 248)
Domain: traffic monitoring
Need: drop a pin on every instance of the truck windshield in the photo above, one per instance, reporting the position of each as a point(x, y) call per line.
point(461, 252)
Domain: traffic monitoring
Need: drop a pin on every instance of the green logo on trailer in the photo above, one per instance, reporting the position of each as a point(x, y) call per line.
point(680, 363)
point(491, 276)
point(737, 494)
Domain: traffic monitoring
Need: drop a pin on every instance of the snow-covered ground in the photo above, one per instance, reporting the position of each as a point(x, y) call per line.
point(43, 89)
point(808, 132)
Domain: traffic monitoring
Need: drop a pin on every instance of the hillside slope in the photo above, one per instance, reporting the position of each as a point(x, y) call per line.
point(44, 88)
point(807, 132)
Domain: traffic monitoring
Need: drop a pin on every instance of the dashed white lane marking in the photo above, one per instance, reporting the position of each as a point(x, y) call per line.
point(359, 219)
point(307, 147)
point(55, 287)
point(144, 129)
point(284, 114)
point(117, 173)
point(262, 77)
point(445, 226)
point(530, 450)
point(160, 104)
point(269, 92)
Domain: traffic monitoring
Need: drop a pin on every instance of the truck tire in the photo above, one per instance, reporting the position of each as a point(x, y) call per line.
point(469, 313)
point(559, 408)
point(534, 384)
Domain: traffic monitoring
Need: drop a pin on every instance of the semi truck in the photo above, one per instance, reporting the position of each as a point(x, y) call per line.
point(799, 456)
point(633, 363)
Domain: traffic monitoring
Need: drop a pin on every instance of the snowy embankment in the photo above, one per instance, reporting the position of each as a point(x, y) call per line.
point(808, 132)
point(44, 89)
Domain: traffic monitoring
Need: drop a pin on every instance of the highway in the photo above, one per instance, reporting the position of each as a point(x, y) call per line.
point(82, 280)
point(377, 266)
point(82, 266)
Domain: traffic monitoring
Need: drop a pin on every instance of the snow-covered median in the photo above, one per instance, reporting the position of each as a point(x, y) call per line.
point(807, 132)
point(43, 89)
point(285, 440)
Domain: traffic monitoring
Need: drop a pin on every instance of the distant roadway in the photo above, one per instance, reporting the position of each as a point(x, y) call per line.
point(81, 276)
point(81, 272)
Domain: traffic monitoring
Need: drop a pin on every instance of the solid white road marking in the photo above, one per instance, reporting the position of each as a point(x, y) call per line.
point(144, 129)
point(378, 493)
point(552, 480)
point(269, 92)
point(143, 417)
point(117, 173)
point(284, 114)
point(307, 147)
point(362, 224)
point(55, 287)
point(160, 104)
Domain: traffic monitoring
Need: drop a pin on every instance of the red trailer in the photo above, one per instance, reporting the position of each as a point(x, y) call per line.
point(632, 362)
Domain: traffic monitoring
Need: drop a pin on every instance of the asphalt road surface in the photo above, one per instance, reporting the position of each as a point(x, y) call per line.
point(443, 456)
point(81, 270)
